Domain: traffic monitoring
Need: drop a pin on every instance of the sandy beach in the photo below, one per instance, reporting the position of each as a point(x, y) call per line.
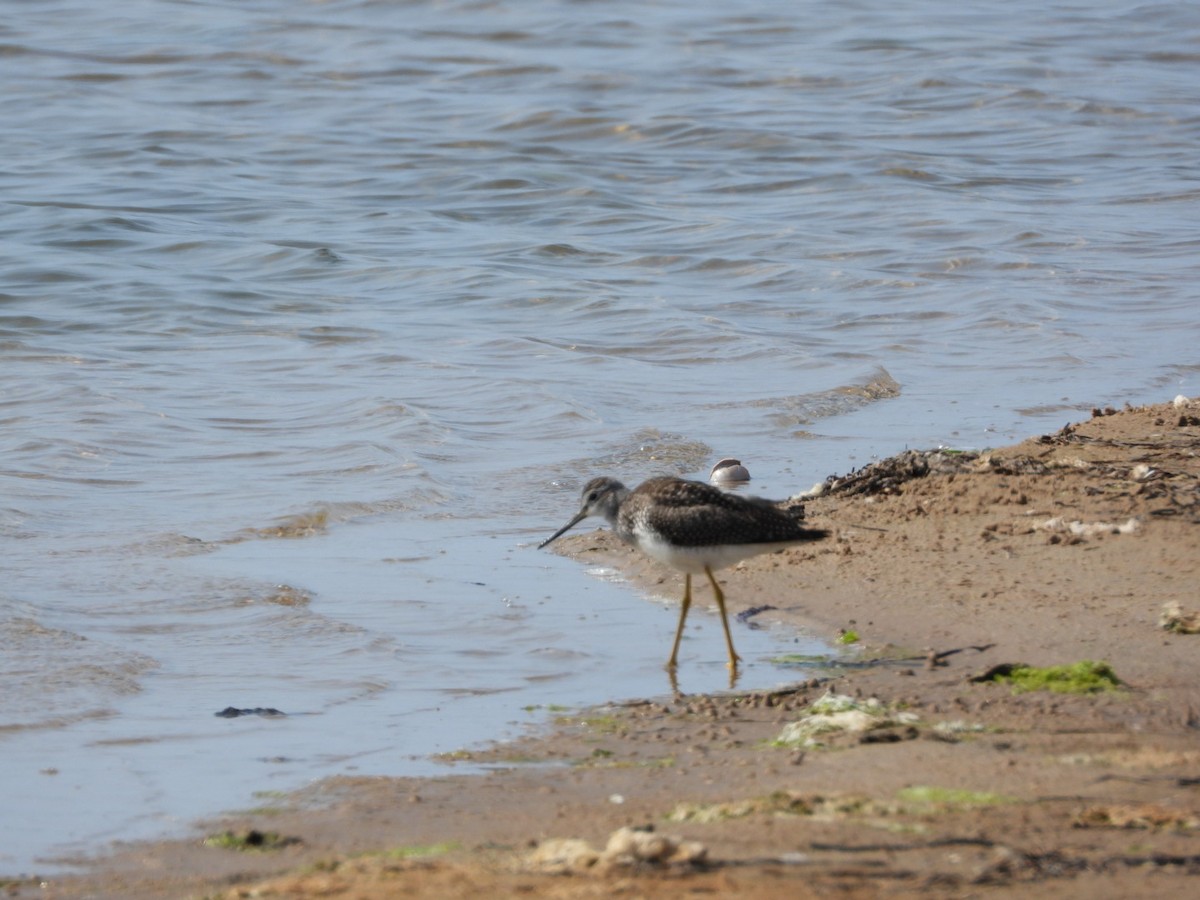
point(935, 776)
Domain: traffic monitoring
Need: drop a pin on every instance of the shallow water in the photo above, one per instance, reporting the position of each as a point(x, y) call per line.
point(314, 317)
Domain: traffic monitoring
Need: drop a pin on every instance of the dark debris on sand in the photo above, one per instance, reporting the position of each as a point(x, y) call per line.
point(887, 475)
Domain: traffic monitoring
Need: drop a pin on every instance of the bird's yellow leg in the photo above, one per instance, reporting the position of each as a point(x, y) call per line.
point(733, 657)
point(683, 611)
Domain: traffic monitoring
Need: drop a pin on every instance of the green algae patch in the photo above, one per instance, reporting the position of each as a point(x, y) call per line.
point(420, 851)
point(605, 760)
point(925, 797)
point(1083, 677)
point(251, 840)
point(864, 658)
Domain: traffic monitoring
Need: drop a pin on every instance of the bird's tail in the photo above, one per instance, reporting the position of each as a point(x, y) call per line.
point(793, 507)
point(813, 534)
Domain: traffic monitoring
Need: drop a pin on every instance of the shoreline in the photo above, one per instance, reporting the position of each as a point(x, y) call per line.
point(1065, 547)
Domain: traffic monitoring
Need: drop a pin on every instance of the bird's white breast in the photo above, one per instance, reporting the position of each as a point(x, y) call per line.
point(694, 559)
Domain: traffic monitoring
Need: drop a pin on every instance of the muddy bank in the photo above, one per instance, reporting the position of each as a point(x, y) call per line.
point(1066, 547)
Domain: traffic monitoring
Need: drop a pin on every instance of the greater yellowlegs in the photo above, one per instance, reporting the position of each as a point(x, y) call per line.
point(693, 527)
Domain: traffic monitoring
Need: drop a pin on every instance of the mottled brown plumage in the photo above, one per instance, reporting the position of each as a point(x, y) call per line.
point(694, 514)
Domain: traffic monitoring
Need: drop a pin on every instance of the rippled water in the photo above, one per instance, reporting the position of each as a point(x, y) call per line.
point(314, 316)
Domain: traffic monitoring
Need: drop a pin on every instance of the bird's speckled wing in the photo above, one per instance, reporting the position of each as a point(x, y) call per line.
point(695, 514)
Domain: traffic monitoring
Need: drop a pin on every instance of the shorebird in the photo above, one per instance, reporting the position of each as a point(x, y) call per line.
point(693, 527)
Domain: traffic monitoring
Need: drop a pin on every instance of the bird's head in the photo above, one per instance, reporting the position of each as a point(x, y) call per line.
point(600, 497)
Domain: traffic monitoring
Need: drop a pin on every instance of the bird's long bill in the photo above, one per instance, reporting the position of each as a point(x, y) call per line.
point(575, 521)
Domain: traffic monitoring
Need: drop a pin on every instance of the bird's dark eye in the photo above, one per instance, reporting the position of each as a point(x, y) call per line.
point(592, 496)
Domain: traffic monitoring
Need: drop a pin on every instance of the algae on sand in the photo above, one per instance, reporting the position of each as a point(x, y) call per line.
point(927, 797)
point(838, 714)
point(1083, 677)
point(249, 840)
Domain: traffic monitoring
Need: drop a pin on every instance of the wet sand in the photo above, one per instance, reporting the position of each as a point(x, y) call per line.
point(1063, 548)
